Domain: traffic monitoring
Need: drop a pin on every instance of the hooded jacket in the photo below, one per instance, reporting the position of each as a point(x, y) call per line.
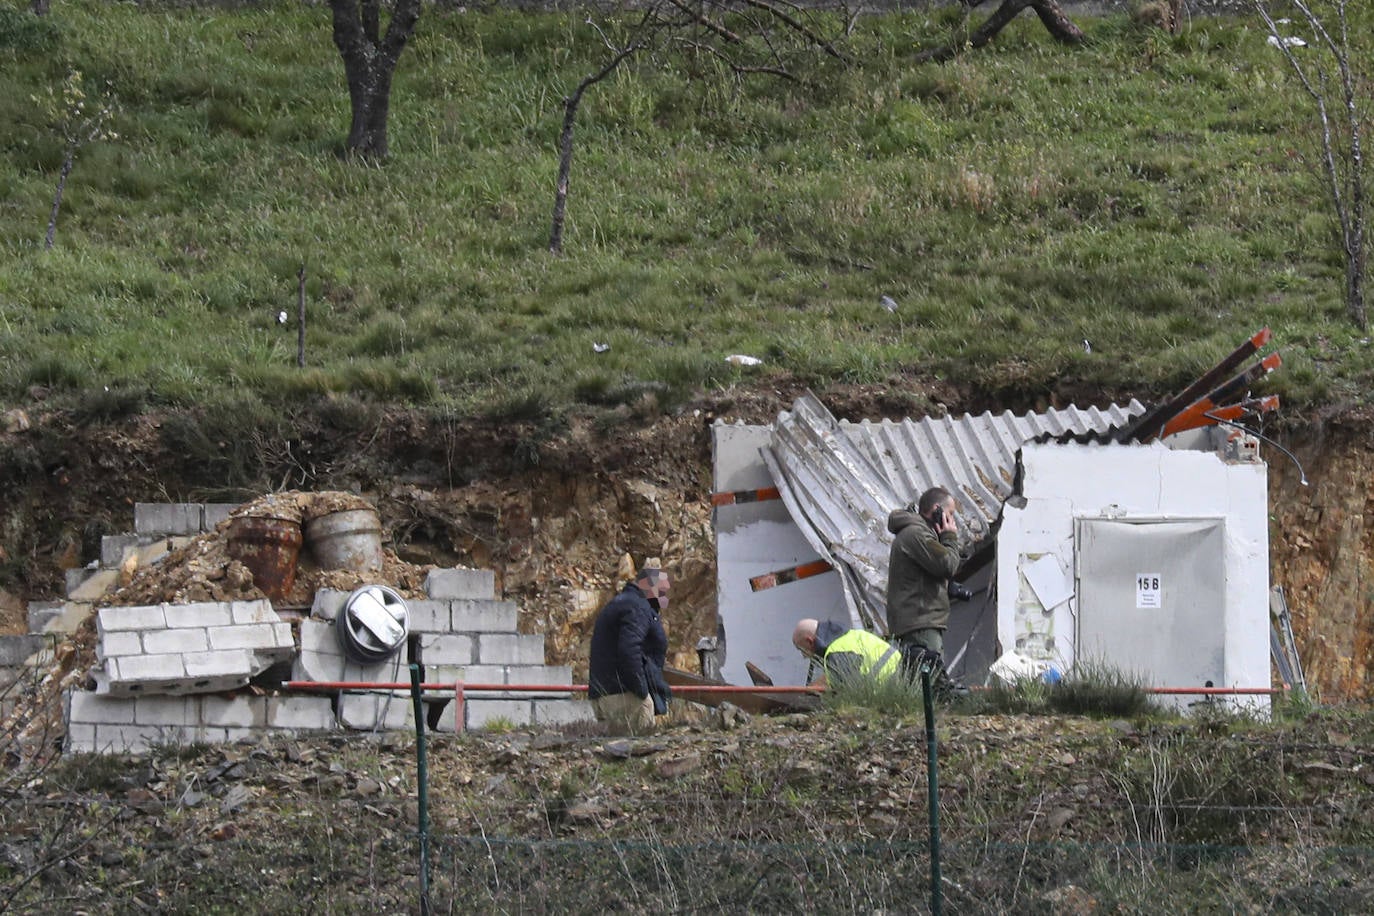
point(629, 647)
point(918, 572)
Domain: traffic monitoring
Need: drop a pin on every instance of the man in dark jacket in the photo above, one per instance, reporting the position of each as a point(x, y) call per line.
point(629, 647)
point(925, 554)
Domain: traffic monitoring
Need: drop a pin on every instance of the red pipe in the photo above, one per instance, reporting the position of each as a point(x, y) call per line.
point(702, 688)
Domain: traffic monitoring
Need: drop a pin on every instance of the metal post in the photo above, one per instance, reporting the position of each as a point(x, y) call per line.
point(933, 794)
point(459, 712)
point(422, 771)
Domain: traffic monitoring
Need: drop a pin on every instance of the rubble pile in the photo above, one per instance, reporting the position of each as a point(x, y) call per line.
point(203, 570)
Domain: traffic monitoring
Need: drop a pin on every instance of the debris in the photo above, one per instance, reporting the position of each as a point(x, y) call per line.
point(600, 347)
point(1292, 41)
point(739, 359)
point(889, 303)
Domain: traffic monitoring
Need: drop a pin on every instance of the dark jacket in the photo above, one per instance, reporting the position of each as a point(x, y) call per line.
point(918, 571)
point(629, 648)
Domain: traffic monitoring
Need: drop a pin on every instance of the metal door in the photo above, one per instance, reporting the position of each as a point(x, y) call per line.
point(1152, 598)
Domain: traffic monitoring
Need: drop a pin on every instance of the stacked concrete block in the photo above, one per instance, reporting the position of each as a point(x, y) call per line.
point(322, 659)
point(447, 584)
point(194, 648)
point(155, 520)
point(134, 725)
point(388, 710)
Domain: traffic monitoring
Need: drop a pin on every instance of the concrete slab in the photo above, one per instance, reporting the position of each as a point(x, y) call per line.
point(460, 583)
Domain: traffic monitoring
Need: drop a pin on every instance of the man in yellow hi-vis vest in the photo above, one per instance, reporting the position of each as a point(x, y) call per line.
point(846, 653)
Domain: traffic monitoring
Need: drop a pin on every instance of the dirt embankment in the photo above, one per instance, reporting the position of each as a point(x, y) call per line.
point(556, 531)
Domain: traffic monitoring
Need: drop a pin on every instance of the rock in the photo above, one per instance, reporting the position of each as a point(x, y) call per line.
point(679, 766)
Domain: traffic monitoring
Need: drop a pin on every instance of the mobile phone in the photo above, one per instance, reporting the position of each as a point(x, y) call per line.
point(937, 516)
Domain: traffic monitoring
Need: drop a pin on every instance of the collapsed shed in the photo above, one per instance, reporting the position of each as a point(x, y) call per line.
point(1134, 538)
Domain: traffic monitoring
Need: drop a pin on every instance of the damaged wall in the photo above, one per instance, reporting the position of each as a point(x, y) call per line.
point(1065, 484)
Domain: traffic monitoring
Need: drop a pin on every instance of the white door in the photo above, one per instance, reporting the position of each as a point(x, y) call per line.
point(1152, 599)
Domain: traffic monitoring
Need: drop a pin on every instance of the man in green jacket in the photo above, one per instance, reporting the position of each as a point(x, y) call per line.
point(925, 555)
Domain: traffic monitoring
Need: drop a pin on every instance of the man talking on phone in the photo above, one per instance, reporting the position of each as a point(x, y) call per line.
point(925, 555)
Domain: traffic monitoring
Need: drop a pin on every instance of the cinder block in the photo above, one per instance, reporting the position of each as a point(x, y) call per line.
point(69, 619)
point(429, 616)
point(320, 637)
point(40, 612)
point(219, 663)
point(156, 710)
point(141, 617)
point(300, 712)
point(243, 636)
point(484, 616)
point(95, 586)
point(89, 708)
point(233, 712)
point(73, 579)
point(131, 739)
point(114, 547)
point(328, 603)
point(460, 583)
point(562, 712)
point(377, 711)
point(118, 643)
point(447, 649)
point(166, 642)
point(202, 614)
point(146, 669)
point(481, 712)
point(161, 519)
point(260, 611)
point(510, 649)
point(483, 674)
point(214, 513)
point(15, 650)
point(540, 674)
point(80, 739)
point(318, 667)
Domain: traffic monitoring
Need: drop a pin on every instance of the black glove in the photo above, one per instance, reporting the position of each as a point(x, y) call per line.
point(957, 591)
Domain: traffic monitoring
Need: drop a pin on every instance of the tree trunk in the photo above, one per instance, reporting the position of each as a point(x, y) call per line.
point(1051, 16)
point(565, 154)
point(39, 7)
point(369, 60)
point(67, 160)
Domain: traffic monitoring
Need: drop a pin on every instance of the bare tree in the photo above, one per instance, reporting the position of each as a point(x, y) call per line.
point(744, 38)
point(1051, 16)
point(80, 121)
point(369, 59)
point(1325, 70)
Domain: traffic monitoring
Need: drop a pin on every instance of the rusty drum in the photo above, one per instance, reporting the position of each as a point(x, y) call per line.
point(269, 548)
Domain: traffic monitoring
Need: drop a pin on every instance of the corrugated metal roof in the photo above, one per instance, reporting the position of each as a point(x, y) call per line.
point(840, 480)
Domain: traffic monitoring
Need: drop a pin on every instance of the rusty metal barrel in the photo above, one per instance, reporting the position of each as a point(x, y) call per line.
point(269, 548)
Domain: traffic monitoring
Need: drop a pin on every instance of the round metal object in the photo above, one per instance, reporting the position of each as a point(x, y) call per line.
point(373, 623)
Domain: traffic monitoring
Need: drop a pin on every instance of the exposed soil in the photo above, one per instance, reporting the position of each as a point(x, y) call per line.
point(559, 510)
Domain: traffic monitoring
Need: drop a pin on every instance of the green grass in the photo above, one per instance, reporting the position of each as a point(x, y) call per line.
point(1143, 192)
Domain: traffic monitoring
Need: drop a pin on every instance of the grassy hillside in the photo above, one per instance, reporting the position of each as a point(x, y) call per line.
point(1148, 194)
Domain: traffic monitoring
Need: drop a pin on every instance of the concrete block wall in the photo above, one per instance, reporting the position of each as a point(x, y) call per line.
point(135, 725)
point(163, 667)
point(190, 648)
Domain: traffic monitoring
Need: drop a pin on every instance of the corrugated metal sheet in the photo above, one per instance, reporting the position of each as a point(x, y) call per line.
point(840, 480)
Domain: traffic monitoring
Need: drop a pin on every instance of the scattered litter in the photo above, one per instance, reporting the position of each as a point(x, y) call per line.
point(1292, 41)
point(1087, 346)
point(739, 359)
point(600, 347)
point(281, 317)
point(889, 303)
